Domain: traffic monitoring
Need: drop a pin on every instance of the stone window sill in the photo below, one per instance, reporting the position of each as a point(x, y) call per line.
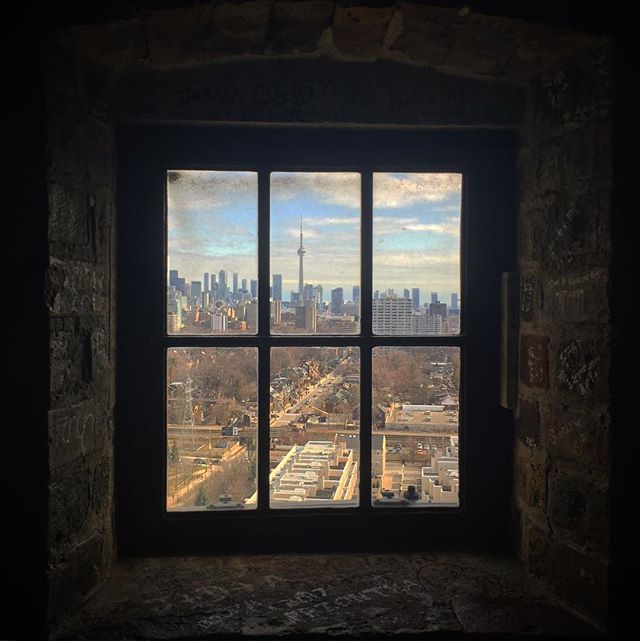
point(365, 595)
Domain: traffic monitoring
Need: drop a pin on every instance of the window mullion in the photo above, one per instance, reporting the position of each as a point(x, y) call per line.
point(366, 277)
point(263, 332)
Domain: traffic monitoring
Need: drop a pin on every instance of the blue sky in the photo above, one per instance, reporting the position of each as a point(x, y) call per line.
point(212, 226)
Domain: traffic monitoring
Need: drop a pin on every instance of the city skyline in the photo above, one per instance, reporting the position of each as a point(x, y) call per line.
point(212, 225)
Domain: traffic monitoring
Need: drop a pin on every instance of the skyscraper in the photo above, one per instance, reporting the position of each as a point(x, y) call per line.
point(254, 288)
point(406, 293)
point(454, 300)
point(244, 284)
point(173, 277)
point(235, 283)
point(301, 252)
point(434, 297)
point(337, 299)
point(196, 290)
point(415, 297)
point(222, 278)
point(206, 281)
point(277, 287)
point(355, 294)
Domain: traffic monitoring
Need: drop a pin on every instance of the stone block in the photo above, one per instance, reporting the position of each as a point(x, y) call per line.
point(576, 577)
point(528, 422)
point(79, 352)
point(579, 435)
point(534, 361)
point(574, 93)
point(298, 26)
point(575, 231)
point(483, 44)
point(359, 31)
point(531, 477)
point(579, 512)
point(76, 431)
point(581, 296)
point(71, 581)
point(176, 36)
point(541, 48)
point(581, 366)
point(119, 44)
point(427, 35)
point(530, 297)
point(238, 27)
point(77, 288)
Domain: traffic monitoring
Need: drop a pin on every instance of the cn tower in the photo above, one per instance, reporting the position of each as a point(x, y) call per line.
point(301, 253)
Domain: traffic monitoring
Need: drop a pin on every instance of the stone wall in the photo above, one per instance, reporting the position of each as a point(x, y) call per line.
point(562, 456)
point(79, 296)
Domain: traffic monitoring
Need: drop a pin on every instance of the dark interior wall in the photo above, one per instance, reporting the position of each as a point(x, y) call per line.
point(477, 63)
point(563, 447)
point(79, 290)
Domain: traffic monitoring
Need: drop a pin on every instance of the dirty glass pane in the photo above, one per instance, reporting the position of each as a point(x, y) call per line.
point(212, 420)
point(212, 252)
point(315, 253)
point(416, 253)
point(416, 409)
point(314, 427)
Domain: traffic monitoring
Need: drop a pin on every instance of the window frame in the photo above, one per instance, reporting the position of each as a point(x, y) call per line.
point(145, 153)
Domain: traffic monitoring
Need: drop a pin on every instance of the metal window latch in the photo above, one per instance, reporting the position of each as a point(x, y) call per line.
point(509, 325)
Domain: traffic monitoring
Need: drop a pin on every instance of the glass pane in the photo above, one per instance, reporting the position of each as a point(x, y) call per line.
point(212, 419)
point(212, 252)
point(416, 405)
point(416, 253)
point(315, 253)
point(315, 443)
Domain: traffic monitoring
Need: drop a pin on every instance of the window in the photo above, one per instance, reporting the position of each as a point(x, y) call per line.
point(308, 333)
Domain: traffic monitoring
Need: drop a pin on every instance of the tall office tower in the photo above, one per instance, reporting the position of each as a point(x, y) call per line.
point(196, 291)
point(454, 301)
point(392, 316)
point(222, 279)
point(277, 287)
point(206, 282)
point(319, 300)
point(294, 299)
point(276, 312)
point(355, 294)
point(213, 279)
point(434, 297)
point(301, 252)
point(337, 299)
point(427, 324)
point(406, 293)
point(306, 317)
point(244, 285)
point(173, 277)
point(254, 288)
point(415, 297)
point(235, 283)
point(438, 308)
point(181, 286)
point(376, 294)
point(308, 293)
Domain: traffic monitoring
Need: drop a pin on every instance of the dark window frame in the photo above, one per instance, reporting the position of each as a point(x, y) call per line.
point(145, 153)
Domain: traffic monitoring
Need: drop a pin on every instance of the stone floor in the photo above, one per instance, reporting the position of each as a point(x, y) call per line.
point(368, 595)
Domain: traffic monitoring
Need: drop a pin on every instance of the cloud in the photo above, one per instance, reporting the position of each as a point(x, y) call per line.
point(383, 225)
point(390, 190)
point(401, 190)
point(294, 232)
point(405, 259)
point(189, 190)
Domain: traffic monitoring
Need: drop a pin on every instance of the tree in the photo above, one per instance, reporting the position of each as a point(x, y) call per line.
point(201, 495)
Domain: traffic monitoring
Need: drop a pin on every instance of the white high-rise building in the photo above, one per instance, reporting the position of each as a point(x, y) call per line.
point(392, 316)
